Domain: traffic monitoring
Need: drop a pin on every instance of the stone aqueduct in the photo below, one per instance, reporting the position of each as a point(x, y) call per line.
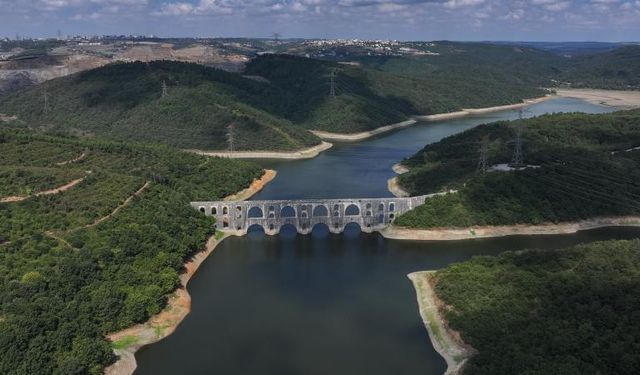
point(370, 214)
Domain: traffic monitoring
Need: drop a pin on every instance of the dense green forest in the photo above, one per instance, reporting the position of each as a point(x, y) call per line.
point(485, 68)
point(272, 103)
point(67, 278)
point(279, 97)
point(618, 69)
point(571, 311)
point(125, 102)
point(373, 94)
point(581, 171)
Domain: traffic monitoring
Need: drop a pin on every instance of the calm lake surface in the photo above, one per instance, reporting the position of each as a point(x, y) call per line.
point(324, 303)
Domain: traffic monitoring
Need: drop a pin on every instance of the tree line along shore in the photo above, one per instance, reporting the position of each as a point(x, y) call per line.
point(102, 255)
point(568, 311)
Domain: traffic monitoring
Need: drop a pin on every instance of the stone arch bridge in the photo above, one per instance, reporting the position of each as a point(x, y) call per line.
point(371, 215)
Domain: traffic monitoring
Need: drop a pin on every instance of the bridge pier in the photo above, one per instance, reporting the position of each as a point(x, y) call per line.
point(371, 215)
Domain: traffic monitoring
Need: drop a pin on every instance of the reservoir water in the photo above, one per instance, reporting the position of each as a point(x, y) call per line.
point(331, 304)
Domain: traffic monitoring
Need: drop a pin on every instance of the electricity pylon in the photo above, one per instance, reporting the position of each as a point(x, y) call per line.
point(231, 136)
point(518, 155)
point(165, 91)
point(46, 102)
point(483, 165)
point(332, 91)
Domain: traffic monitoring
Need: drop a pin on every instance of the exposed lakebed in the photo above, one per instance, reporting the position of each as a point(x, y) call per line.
point(323, 303)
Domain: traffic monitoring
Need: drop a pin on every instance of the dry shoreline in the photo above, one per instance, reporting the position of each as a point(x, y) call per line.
point(307, 153)
point(354, 137)
point(254, 188)
point(400, 169)
point(478, 111)
point(179, 303)
point(454, 234)
point(394, 187)
point(162, 324)
point(612, 98)
point(445, 341)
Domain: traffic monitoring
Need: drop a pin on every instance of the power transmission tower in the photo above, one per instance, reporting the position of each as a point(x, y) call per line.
point(231, 136)
point(518, 155)
point(332, 92)
point(522, 112)
point(164, 89)
point(46, 102)
point(483, 165)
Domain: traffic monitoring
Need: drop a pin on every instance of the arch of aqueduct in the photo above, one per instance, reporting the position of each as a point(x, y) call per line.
point(371, 215)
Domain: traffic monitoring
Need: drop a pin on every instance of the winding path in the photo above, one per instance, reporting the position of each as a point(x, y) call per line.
point(82, 156)
point(60, 189)
point(52, 234)
point(115, 211)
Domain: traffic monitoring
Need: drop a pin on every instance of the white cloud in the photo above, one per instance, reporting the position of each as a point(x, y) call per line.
point(175, 9)
point(453, 4)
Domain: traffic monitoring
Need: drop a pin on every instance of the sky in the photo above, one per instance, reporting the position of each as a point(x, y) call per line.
point(522, 20)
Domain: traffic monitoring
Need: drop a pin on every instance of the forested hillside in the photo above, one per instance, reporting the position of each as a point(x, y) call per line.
point(102, 255)
point(572, 311)
point(580, 168)
point(381, 91)
point(618, 69)
point(278, 98)
point(126, 102)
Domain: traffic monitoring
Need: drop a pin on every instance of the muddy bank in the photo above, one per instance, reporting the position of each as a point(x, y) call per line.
point(478, 111)
point(446, 341)
point(355, 137)
point(307, 153)
point(400, 169)
point(161, 325)
point(452, 234)
point(255, 187)
point(394, 187)
point(612, 98)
